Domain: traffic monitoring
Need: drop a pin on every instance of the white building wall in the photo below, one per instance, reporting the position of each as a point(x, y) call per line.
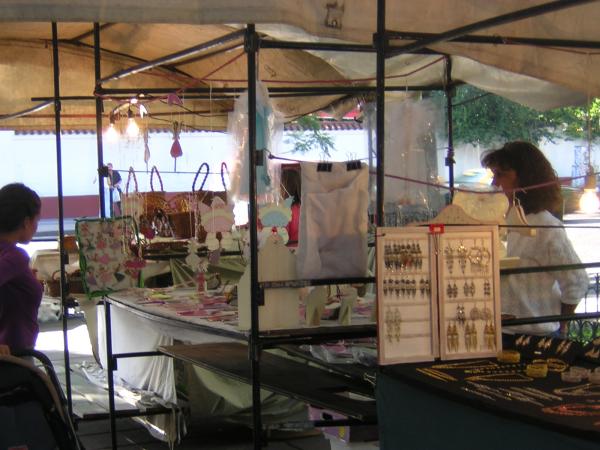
point(31, 159)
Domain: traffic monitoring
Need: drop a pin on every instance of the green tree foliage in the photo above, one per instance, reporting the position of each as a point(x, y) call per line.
point(577, 123)
point(487, 119)
point(311, 136)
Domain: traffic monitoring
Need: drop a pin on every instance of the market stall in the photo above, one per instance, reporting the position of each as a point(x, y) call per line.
point(548, 78)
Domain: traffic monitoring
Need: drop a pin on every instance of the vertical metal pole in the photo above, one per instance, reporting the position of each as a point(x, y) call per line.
point(107, 320)
point(99, 110)
point(450, 154)
point(381, 45)
point(61, 226)
point(368, 111)
point(110, 367)
point(251, 48)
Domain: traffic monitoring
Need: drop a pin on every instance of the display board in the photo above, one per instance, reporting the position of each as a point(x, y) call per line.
point(438, 293)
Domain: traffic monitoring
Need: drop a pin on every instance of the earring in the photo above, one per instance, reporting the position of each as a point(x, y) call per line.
point(470, 337)
point(460, 314)
point(469, 289)
point(466, 289)
point(489, 333)
point(487, 288)
point(388, 324)
point(462, 252)
point(474, 314)
point(397, 324)
point(452, 337)
point(449, 345)
point(449, 255)
point(486, 312)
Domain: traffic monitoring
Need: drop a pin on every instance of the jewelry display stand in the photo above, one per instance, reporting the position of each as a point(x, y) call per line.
point(438, 293)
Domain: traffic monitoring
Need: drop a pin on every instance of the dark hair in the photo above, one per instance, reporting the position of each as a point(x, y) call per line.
point(532, 168)
point(17, 202)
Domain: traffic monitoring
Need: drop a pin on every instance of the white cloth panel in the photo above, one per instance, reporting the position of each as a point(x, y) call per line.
point(333, 222)
point(130, 333)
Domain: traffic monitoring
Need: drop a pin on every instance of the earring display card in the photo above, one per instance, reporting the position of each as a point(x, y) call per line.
point(469, 292)
point(437, 294)
point(406, 309)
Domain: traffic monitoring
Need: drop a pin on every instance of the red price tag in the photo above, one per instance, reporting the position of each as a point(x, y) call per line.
point(436, 228)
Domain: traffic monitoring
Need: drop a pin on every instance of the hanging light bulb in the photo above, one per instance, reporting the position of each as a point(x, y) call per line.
point(111, 134)
point(589, 201)
point(133, 130)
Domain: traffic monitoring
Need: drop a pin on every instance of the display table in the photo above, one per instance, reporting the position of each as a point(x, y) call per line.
point(146, 319)
point(143, 319)
point(430, 405)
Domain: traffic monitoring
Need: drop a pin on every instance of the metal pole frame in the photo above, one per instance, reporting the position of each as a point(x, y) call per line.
point(251, 48)
point(99, 111)
point(173, 57)
point(380, 43)
point(495, 40)
point(450, 153)
point(491, 22)
point(322, 90)
point(107, 319)
point(61, 227)
point(110, 368)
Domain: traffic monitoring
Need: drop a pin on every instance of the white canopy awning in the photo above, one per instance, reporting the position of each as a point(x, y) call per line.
point(538, 76)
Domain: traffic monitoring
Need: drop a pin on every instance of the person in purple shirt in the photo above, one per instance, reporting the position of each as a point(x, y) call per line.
point(20, 291)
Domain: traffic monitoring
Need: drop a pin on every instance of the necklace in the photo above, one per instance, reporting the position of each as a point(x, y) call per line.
point(479, 364)
point(584, 390)
point(500, 378)
point(438, 375)
point(574, 409)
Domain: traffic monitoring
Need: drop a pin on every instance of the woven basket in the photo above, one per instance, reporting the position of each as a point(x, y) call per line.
point(53, 285)
point(182, 224)
point(154, 200)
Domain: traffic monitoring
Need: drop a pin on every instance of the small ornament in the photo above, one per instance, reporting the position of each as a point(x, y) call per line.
point(176, 151)
point(146, 147)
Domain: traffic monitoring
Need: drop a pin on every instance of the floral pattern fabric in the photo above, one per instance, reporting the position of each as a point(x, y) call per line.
point(108, 262)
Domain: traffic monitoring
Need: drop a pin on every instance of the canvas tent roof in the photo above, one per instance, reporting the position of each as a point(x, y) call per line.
point(538, 76)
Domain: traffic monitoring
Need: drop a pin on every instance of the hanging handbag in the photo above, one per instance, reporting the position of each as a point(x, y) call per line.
point(132, 203)
point(154, 201)
point(182, 209)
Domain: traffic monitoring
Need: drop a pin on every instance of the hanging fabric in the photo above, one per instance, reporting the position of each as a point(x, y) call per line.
point(333, 221)
point(237, 128)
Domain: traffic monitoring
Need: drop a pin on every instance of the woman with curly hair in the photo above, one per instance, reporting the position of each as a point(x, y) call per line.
point(525, 175)
point(20, 291)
